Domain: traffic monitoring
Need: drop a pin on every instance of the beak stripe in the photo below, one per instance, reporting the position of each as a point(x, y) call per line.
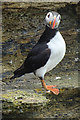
point(54, 23)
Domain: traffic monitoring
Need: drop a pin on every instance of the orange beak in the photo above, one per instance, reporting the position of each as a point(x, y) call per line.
point(53, 24)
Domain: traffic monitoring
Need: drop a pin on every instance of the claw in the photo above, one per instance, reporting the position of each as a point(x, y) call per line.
point(50, 86)
point(55, 91)
point(52, 89)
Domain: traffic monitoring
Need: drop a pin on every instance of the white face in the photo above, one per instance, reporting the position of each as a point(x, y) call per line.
point(53, 19)
point(49, 17)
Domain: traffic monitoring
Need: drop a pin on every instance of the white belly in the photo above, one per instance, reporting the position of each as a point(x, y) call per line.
point(58, 48)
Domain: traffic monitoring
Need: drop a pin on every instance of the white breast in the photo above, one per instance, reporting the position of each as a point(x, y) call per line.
point(58, 48)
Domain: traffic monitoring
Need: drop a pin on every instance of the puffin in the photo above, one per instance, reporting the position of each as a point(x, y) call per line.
point(46, 54)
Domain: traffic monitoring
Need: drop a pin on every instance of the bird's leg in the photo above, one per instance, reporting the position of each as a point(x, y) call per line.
point(50, 88)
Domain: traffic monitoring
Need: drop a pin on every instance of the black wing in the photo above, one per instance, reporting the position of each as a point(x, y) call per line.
point(37, 58)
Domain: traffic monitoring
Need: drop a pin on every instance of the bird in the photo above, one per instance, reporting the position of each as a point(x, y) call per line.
point(46, 54)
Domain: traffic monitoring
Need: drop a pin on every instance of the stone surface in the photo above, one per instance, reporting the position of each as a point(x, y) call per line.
point(22, 100)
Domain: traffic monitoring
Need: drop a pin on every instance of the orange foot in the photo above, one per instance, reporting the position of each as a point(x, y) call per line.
point(51, 88)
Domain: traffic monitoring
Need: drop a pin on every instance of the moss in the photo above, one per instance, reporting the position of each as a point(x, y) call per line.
point(14, 100)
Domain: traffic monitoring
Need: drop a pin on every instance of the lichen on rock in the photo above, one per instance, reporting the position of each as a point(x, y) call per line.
point(17, 99)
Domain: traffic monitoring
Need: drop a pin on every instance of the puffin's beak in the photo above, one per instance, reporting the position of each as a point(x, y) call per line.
point(53, 23)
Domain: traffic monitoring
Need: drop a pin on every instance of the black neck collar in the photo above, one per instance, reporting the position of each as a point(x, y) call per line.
point(47, 35)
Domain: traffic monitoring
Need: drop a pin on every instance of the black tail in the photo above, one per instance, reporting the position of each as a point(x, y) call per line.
point(19, 72)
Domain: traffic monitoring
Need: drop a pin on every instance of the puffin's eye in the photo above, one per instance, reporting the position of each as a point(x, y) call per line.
point(48, 15)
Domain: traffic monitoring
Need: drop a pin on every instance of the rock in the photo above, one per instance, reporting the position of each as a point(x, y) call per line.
point(14, 100)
